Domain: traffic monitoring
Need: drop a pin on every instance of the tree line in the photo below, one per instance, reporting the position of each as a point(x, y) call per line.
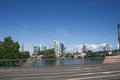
point(9, 49)
point(48, 54)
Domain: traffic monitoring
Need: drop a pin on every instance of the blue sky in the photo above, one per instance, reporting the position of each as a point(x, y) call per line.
point(72, 22)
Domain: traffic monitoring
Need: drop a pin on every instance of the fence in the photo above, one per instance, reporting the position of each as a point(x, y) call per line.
point(12, 62)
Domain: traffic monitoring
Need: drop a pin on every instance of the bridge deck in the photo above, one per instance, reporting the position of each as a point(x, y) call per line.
point(78, 72)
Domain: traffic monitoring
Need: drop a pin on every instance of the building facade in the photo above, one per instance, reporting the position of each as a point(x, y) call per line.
point(35, 50)
point(56, 46)
point(62, 48)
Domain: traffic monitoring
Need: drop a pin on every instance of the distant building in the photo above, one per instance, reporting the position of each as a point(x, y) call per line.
point(56, 46)
point(50, 46)
point(83, 51)
point(42, 48)
point(38, 49)
point(45, 48)
point(62, 48)
point(84, 48)
point(115, 51)
point(35, 50)
point(100, 52)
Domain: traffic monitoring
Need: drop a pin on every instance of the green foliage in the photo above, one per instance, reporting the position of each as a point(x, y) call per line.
point(26, 54)
point(41, 52)
point(69, 55)
point(23, 55)
point(48, 54)
point(92, 54)
point(10, 50)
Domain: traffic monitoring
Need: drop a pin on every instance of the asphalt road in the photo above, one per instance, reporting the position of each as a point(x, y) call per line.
point(78, 72)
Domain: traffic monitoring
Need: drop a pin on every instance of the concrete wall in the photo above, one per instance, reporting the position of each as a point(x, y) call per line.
point(111, 59)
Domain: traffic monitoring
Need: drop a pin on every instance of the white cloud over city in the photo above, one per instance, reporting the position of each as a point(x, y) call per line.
point(93, 47)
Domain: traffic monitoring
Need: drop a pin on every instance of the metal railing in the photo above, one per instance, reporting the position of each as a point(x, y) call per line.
point(12, 62)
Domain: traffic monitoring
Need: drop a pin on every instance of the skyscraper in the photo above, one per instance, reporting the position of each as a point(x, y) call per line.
point(56, 46)
point(62, 48)
point(35, 49)
point(42, 48)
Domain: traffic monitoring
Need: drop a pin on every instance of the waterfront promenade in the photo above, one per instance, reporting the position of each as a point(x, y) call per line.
point(75, 72)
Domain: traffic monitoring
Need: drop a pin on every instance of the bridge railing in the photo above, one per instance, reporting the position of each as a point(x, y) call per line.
point(12, 62)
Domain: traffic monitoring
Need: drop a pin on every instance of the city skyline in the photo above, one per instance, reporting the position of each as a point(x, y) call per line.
point(57, 46)
point(72, 22)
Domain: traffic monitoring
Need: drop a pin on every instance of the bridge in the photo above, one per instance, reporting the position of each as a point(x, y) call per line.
point(75, 72)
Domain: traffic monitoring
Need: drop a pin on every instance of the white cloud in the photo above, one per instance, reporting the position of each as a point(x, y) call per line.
point(93, 47)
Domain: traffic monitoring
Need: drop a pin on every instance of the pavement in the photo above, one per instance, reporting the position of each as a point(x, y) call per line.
point(75, 72)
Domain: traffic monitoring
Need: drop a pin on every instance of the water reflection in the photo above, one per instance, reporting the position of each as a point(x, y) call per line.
point(64, 62)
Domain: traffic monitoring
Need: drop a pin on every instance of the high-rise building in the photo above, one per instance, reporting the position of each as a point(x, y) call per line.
point(62, 48)
point(35, 49)
point(45, 48)
point(38, 49)
point(56, 46)
point(42, 48)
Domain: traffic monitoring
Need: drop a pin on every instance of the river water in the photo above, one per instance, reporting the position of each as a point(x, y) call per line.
point(66, 61)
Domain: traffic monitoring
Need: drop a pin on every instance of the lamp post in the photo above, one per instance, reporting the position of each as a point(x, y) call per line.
point(119, 37)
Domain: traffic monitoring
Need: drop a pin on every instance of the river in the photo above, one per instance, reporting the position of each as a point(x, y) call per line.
point(66, 61)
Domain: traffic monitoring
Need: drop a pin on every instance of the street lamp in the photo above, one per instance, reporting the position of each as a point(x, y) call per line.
point(119, 37)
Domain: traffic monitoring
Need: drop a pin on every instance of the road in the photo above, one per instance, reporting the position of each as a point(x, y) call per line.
point(78, 72)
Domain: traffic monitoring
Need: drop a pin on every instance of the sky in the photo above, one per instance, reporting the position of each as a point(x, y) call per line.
point(72, 22)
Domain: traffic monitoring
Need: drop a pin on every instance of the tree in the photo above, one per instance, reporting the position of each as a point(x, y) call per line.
point(92, 54)
point(48, 54)
point(41, 53)
point(9, 49)
point(69, 55)
point(26, 54)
